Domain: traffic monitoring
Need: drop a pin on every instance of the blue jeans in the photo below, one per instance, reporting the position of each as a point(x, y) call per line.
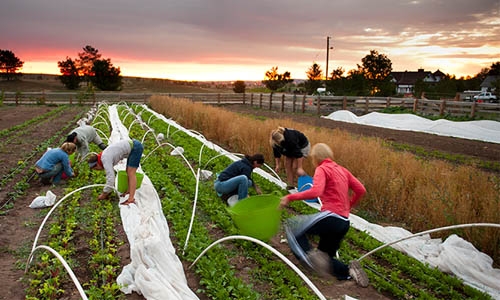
point(331, 231)
point(56, 172)
point(238, 183)
point(134, 158)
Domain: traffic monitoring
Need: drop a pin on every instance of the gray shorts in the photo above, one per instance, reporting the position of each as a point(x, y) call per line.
point(305, 151)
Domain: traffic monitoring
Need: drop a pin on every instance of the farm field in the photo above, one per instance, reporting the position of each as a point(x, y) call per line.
point(19, 223)
point(470, 148)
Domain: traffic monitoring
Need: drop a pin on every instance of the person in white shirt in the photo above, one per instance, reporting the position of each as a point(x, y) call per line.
point(82, 136)
point(107, 159)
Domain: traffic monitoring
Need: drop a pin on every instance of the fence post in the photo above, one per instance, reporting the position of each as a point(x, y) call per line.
point(271, 101)
point(293, 102)
point(244, 98)
point(473, 109)
point(260, 101)
point(282, 102)
point(367, 103)
point(388, 102)
point(218, 98)
point(251, 99)
point(319, 105)
point(344, 103)
point(71, 99)
point(442, 107)
point(304, 104)
point(415, 105)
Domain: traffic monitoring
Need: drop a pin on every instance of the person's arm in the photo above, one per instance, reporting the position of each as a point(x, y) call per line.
point(357, 188)
point(66, 165)
point(277, 164)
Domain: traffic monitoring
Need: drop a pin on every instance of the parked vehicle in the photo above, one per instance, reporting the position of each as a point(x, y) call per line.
point(486, 97)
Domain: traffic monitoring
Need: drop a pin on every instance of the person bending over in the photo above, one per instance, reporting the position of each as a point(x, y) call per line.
point(107, 159)
point(82, 136)
point(295, 146)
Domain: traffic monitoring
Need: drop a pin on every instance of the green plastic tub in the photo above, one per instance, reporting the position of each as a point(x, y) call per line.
point(123, 180)
point(257, 216)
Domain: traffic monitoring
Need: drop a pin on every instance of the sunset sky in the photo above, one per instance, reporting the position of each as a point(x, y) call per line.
point(241, 39)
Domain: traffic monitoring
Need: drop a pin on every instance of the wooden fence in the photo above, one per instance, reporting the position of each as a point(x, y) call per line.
point(320, 105)
point(324, 105)
point(59, 98)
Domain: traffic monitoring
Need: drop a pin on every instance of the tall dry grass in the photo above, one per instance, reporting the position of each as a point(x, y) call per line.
point(417, 193)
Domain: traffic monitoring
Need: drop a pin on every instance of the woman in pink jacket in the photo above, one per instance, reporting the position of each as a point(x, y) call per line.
point(333, 184)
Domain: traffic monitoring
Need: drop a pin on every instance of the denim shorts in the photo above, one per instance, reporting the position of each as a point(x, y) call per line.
point(134, 158)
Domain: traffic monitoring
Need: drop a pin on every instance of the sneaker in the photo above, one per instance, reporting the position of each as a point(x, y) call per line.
point(320, 262)
point(357, 273)
point(231, 201)
point(227, 197)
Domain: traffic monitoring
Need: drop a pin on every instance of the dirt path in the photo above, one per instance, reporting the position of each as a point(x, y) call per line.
point(19, 223)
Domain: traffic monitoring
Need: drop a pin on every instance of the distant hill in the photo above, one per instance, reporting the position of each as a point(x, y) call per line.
point(47, 82)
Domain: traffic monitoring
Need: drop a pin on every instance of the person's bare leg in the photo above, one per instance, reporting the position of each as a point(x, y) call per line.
point(132, 185)
point(300, 170)
point(289, 171)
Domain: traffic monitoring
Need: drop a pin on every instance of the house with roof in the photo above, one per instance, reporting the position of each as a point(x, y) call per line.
point(405, 81)
point(489, 84)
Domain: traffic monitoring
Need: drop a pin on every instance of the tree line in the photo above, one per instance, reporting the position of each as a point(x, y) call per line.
point(371, 78)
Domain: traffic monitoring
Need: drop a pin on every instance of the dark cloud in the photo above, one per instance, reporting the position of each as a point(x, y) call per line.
point(260, 31)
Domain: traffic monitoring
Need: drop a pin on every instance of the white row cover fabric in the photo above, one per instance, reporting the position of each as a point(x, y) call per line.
point(482, 130)
point(454, 256)
point(155, 271)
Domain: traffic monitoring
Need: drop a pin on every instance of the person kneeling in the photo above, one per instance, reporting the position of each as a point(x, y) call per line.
point(237, 177)
point(53, 163)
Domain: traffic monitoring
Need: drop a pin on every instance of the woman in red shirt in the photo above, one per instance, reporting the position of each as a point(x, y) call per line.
point(333, 184)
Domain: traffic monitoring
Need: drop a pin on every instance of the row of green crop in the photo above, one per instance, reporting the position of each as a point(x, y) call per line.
point(83, 231)
point(219, 282)
point(24, 163)
point(17, 128)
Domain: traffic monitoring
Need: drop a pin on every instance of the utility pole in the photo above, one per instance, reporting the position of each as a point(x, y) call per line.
point(327, 54)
